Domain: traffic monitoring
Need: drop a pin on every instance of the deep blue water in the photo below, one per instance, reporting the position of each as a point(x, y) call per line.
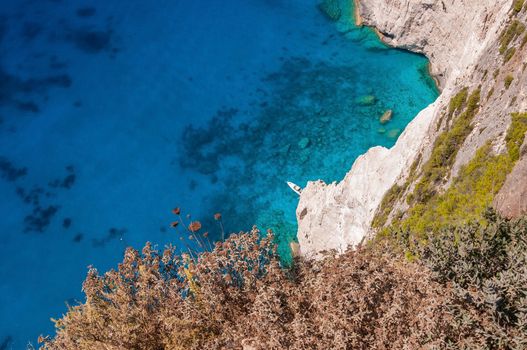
point(114, 112)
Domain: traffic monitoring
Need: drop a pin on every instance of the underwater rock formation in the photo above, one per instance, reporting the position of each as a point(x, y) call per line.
point(331, 9)
point(386, 117)
point(10, 172)
point(40, 218)
point(31, 30)
point(86, 12)
point(113, 233)
point(461, 40)
point(15, 90)
point(6, 343)
point(91, 41)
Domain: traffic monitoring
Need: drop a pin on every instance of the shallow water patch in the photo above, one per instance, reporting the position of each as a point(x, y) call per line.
point(317, 118)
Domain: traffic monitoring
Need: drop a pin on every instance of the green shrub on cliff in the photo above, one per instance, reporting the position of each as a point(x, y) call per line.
point(447, 145)
point(467, 197)
point(457, 101)
point(472, 191)
point(515, 29)
point(509, 54)
point(386, 206)
point(491, 92)
point(515, 136)
point(518, 5)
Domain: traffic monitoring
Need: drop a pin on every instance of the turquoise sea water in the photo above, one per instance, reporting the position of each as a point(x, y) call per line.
point(114, 112)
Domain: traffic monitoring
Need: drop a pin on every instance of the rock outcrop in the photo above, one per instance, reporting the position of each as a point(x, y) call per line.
point(512, 200)
point(462, 39)
point(451, 33)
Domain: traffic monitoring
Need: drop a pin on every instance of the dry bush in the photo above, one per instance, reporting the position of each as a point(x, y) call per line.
point(375, 300)
point(239, 297)
point(165, 301)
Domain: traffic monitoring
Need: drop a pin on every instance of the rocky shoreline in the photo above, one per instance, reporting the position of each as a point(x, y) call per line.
point(461, 43)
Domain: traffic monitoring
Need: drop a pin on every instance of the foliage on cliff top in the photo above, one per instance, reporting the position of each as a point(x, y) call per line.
point(487, 265)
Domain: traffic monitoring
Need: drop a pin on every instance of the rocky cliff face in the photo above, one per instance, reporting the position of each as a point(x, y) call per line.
point(464, 40)
point(511, 201)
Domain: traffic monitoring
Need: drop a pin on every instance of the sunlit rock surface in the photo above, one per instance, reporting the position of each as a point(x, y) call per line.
point(460, 39)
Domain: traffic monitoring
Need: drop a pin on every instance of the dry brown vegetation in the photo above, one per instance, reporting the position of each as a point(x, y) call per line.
point(464, 290)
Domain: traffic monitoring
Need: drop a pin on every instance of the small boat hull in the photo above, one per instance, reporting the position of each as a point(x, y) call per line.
point(297, 189)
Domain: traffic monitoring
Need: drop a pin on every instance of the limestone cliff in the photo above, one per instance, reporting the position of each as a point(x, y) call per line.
point(464, 40)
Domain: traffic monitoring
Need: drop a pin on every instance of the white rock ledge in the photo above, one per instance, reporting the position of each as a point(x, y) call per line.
point(335, 216)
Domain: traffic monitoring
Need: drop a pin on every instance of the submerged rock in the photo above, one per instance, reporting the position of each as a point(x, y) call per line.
point(393, 133)
point(78, 237)
point(86, 12)
point(6, 343)
point(9, 172)
point(304, 157)
point(331, 9)
point(285, 150)
point(92, 41)
point(304, 143)
point(386, 117)
point(66, 223)
point(367, 100)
